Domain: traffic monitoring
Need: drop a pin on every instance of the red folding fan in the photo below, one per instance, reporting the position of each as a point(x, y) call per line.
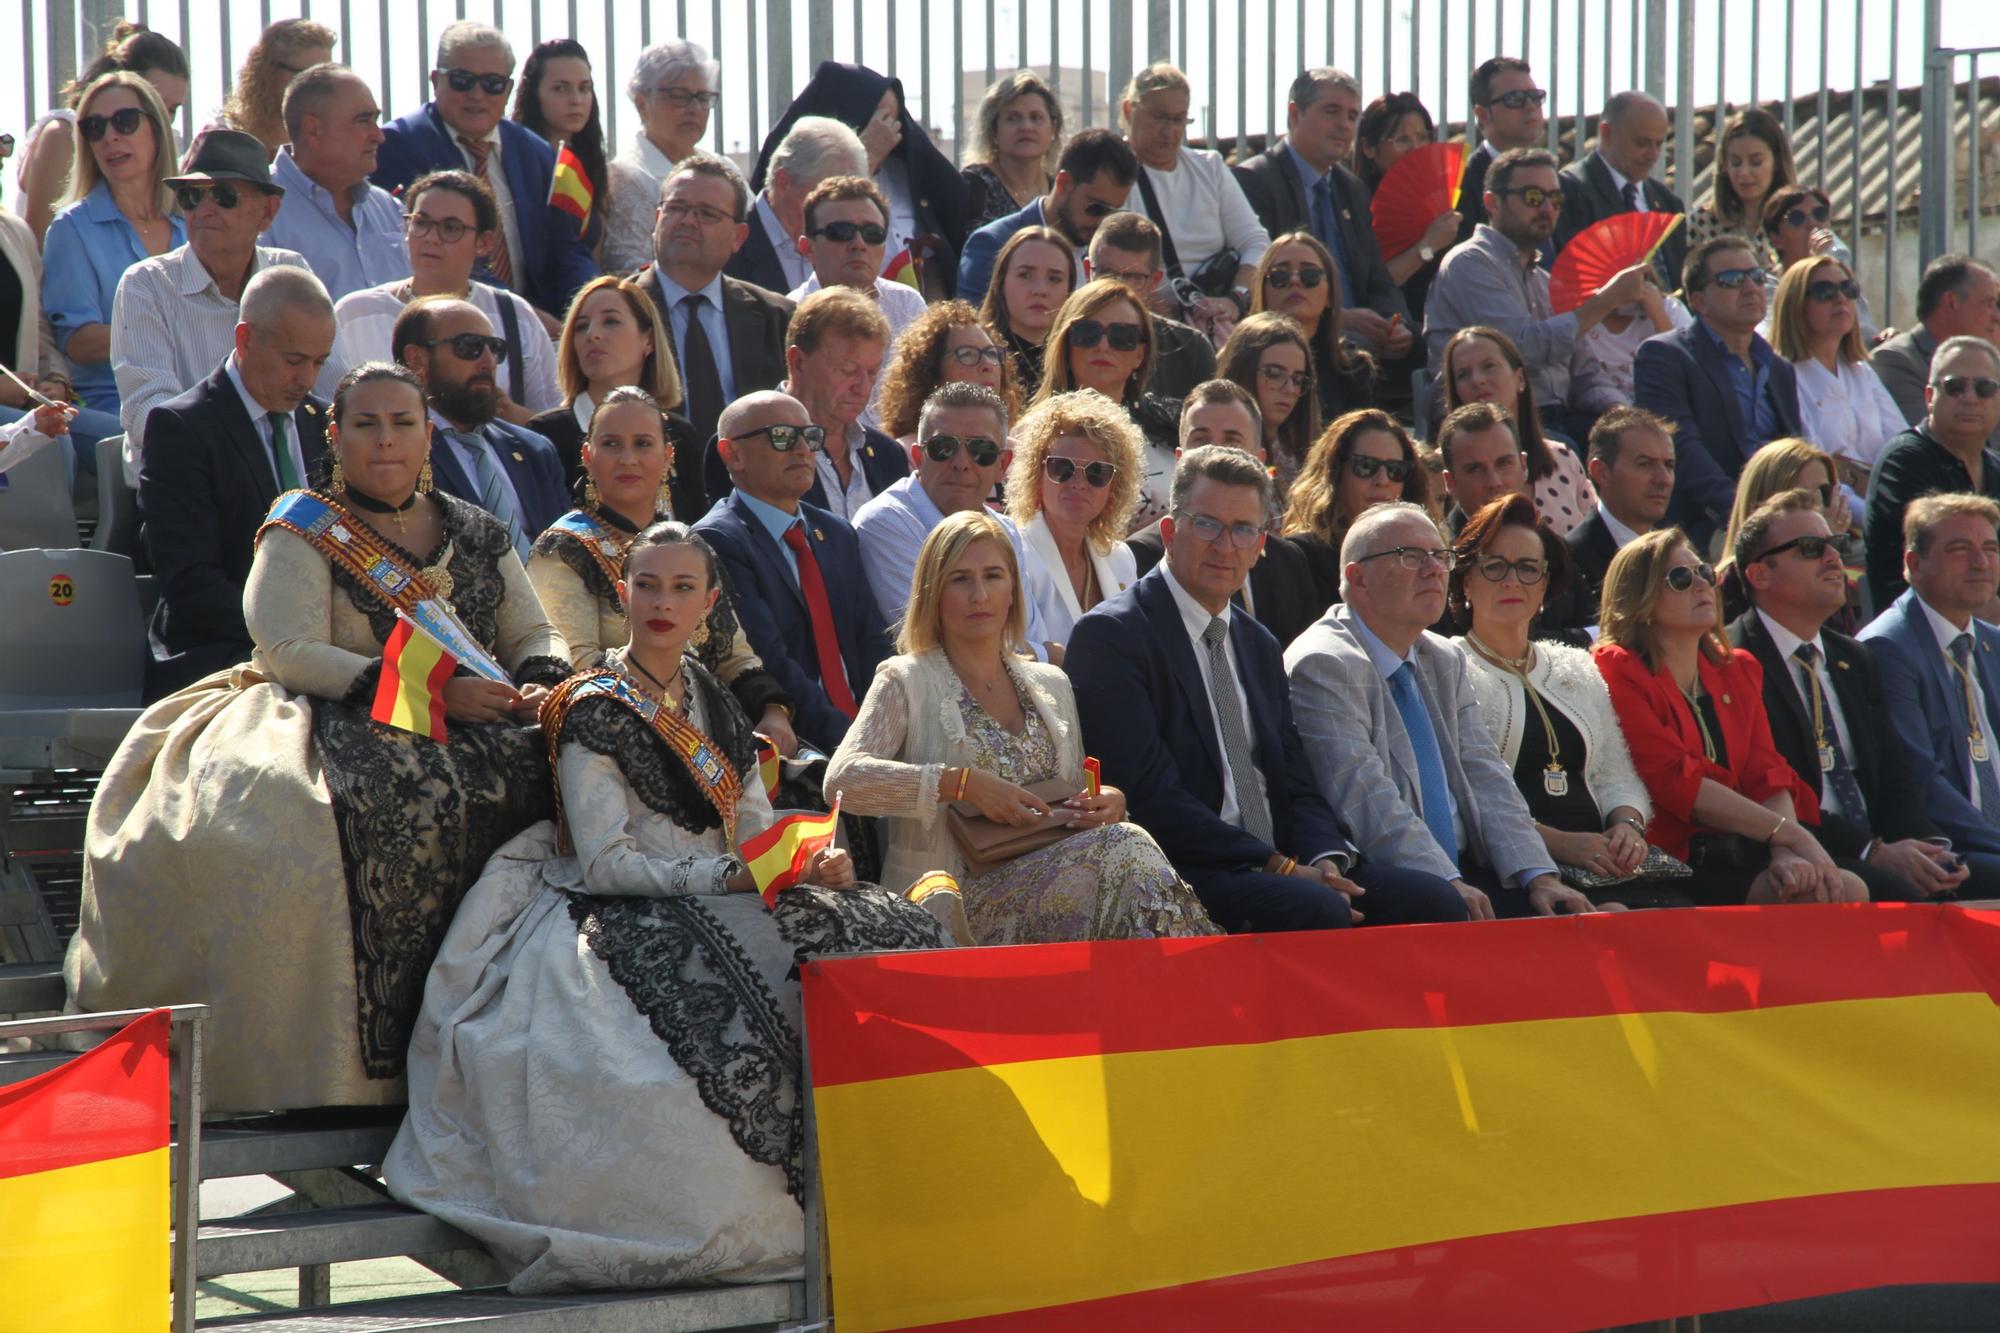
point(1601, 251)
point(1422, 184)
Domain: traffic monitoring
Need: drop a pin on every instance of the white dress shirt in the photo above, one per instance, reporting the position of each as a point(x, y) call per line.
point(1788, 643)
point(1620, 534)
point(260, 420)
point(1948, 634)
point(1194, 619)
point(496, 178)
point(1619, 180)
point(171, 326)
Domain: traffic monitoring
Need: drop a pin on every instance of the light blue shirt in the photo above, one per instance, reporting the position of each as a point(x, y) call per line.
point(346, 258)
point(712, 323)
point(463, 453)
point(776, 522)
point(87, 250)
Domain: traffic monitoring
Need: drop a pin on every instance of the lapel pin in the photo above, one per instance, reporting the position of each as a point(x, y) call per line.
point(517, 456)
point(1841, 665)
point(818, 536)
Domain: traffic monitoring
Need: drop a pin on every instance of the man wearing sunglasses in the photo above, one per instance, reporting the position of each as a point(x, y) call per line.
point(1618, 178)
point(1299, 182)
point(1949, 451)
point(464, 128)
point(1957, 296)
point(796, 569)
point(1941, 670)
point(175, 315)
point(1127, 247)
point(1507, 105)
point(846, 227)
point(960, 454)
point(507, 470)
point(1496, 278)
point(1394, 734)
point(1824, 695)
point(351, 232)
point(1094, 178)
point(1727, 393)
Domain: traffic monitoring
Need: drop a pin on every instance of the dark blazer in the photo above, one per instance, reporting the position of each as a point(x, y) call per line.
point(1590, 195)
point(1926, 709)
point(1185, 358)
point(1893, 791)
point(531, 465)
point(1682, 376)
point(1910, 467)
point(1282, 586)
point(559, 427)
point(1146, 716)
point(554, 259)
point(883, 462)
point(1472, 190)
point(756, 319)
point(773, 612)
point(205, 484)
point(1590, 550)
point(755, 261)
point(1272, 184)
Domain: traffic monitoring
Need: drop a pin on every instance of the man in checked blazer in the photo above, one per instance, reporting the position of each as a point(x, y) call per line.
point(1394, 734)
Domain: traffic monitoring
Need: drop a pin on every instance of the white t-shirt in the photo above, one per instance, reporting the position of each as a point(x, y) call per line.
point(1206, 209)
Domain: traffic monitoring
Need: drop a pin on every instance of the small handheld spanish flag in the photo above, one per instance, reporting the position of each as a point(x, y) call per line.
point(410, 693)
point(778, 855)
point(570, 189)
point(902, 267)
point(769, 771)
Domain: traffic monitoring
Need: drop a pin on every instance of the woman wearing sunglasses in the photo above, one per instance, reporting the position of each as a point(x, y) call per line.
point(450, 220)
point(1780, 466)
point(1547, 708)
point(1102, 340)
point(1267, 355)
point(1295, 278)
point(1363, 459)
point(1482, 365)
point(1033, 275)
point(1692, 708)
point(1071, 490)
point(1798, 221)
point(119, 211)
point(944, 345)
point(1816, 325)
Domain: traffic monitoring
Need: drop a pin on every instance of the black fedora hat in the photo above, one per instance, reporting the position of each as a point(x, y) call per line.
point(227, 155)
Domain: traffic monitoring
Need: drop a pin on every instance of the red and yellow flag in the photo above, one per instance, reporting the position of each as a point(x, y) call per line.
point(570, 189)
point(410, 693)
point(902, 267)
point(84, 1197)
point(769, 772)
point(1537, 1124)
point(778, 855)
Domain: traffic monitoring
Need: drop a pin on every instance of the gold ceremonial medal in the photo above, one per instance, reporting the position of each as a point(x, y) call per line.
point(1554, 781)
point(1825, 758)
point(1978, 749)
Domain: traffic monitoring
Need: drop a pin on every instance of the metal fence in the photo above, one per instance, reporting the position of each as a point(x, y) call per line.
point(1703, 58)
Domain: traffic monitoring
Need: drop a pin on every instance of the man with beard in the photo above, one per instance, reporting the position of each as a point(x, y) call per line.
point(1495, 279)
point(513, 474)
point(1094, 176)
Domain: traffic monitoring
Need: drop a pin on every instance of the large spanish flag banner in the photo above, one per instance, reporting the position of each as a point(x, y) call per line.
point(1525, 1125)
point(84, 1201)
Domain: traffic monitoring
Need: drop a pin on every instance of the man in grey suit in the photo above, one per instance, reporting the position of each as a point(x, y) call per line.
point(1957, 295)
point(1393, 732)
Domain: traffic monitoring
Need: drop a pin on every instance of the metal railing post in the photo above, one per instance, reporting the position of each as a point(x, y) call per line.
point(1118, 65)
point(819, 38)
point(1935, 216)
point(187, 1159)
point(777, 60)
point(1159, 32)
point(1684, 106)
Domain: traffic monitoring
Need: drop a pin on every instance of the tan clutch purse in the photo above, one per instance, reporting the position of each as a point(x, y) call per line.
point(987, 844)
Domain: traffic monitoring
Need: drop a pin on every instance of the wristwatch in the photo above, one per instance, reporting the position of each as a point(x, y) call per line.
point(1426, 253)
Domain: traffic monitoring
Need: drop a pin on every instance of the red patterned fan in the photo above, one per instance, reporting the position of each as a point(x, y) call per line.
point(1601, 251)
point(1422, 184)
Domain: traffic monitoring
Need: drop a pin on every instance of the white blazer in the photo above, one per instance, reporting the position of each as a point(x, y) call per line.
point(1568, 682)
point(1049, 586)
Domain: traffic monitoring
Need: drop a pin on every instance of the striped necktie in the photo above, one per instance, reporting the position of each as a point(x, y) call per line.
point(493, 496)
point(500, 263)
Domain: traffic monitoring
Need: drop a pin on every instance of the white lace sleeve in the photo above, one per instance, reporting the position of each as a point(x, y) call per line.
point(607, 848)
point(867, 769)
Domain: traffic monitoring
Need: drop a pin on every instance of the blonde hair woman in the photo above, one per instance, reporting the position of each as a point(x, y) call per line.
point(961, 716)
point(1071, 491)
point(1785, 465)
point(1816, 325)
point(1016, 138)
point(256, 103)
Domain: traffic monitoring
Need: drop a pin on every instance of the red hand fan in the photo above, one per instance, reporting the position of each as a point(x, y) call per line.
point(1601, 251)
point(1422, 184)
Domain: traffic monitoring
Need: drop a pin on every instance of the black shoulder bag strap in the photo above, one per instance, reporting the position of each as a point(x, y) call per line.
point(510, 322)
point(1170, 258)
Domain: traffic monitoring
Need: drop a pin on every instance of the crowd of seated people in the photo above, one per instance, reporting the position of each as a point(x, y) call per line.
point(940, 483)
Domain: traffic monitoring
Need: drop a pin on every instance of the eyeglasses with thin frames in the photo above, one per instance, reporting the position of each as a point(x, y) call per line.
point(1417, 557)
point(1207, 528)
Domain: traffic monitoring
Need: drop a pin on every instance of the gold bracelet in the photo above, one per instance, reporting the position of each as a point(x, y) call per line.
point(1782, 821)
point(1291, 863)
point(964, 776)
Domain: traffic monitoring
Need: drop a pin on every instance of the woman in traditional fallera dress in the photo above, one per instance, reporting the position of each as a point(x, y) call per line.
point(575, 563)
point(605, 1078)
point(259, 844)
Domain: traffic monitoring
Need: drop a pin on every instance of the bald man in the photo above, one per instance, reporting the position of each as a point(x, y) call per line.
point(1618, 178)
point(800, 589)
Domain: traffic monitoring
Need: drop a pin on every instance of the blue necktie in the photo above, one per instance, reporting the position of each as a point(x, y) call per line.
point(493, 496)
point(1432, 788)
point(1327, 228)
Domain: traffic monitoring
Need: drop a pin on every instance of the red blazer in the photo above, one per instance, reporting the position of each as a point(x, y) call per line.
point(1666, 744)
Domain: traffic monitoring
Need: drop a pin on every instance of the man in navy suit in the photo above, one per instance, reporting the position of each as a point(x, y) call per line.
point(1094, 177)
point(1941, 668)
point(464, 129)
point(1727, 393)
point(1618, 178)
point(510, 472)
point(1185, 705)
point(800, 591)
point(215, 458)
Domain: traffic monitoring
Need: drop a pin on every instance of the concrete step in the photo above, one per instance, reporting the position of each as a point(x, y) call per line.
point(320, 1236)
point(297, 1141)
point(492, 1310)
point(23, 1065)
point(30, 988)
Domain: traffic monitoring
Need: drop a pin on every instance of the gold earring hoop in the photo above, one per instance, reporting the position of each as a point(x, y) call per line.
point(424, 479)
point(699, 640)
point(339, 477)
point(589, 491)
point(663, 502)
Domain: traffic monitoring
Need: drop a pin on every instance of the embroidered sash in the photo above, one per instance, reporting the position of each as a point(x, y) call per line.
point(712, 773)
point(353, 546)
point(605, 549)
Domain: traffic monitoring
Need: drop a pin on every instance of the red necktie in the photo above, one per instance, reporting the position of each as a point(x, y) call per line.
point(832, 670)
point(500, 264)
